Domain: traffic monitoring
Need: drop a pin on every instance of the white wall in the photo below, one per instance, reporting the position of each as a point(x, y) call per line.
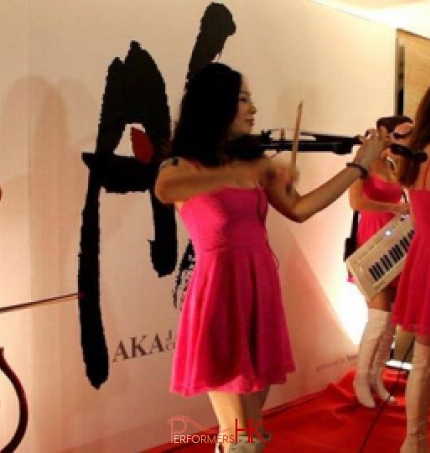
point(55, 56)
point(405, 15)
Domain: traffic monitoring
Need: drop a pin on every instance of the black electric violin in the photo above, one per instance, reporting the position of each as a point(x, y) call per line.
point(310, 142)
point(338, 144)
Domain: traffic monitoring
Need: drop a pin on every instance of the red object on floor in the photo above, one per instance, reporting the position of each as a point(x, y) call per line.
point(330, 421)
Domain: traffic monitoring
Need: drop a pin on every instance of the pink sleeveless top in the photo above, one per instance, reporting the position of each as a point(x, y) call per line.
point(377, 189)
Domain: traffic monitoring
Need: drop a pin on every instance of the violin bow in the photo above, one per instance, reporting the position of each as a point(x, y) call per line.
point(32, 304)
point(295, 146)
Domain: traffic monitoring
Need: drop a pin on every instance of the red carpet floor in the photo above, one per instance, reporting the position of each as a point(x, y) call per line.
point(330, 421)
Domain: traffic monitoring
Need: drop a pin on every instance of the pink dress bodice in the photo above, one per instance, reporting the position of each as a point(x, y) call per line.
point(377, 189)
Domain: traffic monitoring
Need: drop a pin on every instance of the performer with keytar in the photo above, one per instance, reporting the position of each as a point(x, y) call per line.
point(378, 198)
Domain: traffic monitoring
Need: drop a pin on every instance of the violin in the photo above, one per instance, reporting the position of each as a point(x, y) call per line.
point(314, 142)
point(338, 144)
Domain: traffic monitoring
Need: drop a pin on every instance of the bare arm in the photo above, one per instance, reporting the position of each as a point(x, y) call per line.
point(300, 207)
point(178, 181)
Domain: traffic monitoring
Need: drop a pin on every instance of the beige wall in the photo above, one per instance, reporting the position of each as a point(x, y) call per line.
point(55, 55)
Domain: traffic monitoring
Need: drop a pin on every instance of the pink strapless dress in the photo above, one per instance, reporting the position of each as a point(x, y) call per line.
point(232, 334)
point(412, 305)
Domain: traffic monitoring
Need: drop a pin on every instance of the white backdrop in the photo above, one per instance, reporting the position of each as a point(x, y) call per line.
point(55, 57)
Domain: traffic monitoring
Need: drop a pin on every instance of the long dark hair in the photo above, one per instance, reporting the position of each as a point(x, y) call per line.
point(208, 107)
point(420, 138)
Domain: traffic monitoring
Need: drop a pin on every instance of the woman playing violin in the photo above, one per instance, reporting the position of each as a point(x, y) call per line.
point(233, 341)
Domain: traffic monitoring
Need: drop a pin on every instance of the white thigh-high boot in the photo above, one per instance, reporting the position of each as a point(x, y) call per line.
point(381, 356)
point(376, 322)
point(417, 402)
